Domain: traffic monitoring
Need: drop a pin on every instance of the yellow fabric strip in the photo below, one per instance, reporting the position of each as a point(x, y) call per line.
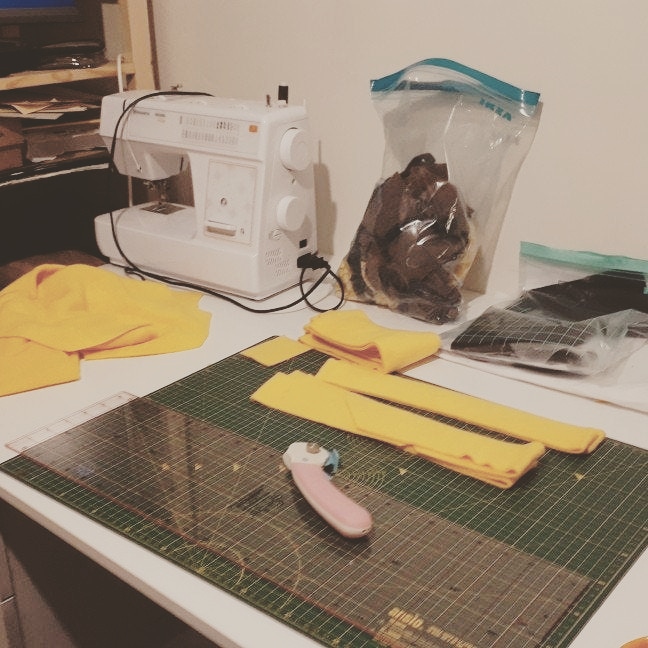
point(352, 336)
point(432, 398)
point(490, 460)
point(64, 313)
point(271, 352)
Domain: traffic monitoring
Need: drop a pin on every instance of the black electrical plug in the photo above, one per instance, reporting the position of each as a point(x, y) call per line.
point(312, 261)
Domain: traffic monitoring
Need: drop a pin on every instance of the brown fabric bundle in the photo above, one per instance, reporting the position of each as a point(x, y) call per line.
point(414, 246)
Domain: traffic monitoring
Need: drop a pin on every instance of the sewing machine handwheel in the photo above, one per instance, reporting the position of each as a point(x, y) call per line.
point(294, 150)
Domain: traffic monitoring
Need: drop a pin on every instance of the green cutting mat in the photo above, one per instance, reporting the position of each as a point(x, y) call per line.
point(194, 472)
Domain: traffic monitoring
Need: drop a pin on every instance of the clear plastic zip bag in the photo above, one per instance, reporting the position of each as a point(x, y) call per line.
point(579, 313)
point(455, 139)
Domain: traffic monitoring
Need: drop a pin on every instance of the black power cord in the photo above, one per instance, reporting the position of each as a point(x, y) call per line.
point(315, 262)
point(305, 262)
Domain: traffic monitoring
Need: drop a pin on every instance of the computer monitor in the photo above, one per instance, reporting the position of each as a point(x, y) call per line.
point(38, 11)
point(29, 29)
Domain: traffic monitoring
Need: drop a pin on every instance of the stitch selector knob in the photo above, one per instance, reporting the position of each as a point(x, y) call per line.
point(294, 150)
point(291, 213)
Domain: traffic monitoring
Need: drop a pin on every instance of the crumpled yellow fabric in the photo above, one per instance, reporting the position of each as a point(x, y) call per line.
point(55, 315)
point(493, 461)
point(557, 435)
point(351, 335)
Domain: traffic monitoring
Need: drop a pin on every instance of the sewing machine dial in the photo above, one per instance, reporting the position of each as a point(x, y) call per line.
point(294, 150)
point(291, 213)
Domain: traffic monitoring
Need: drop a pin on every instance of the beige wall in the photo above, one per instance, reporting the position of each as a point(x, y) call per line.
point(583, 184)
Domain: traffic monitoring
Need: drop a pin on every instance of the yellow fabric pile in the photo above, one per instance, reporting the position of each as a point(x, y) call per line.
point(496, 462)
point(54, 316)
point(351, 335)
point(343, 395)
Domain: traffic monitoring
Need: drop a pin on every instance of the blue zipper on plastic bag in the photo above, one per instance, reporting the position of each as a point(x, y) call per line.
point(584, 259)
point(454, 77)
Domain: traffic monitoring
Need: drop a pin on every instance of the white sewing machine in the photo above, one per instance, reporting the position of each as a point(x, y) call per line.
point(253, 187)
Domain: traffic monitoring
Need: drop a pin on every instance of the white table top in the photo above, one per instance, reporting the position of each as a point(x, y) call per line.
point(221, 617)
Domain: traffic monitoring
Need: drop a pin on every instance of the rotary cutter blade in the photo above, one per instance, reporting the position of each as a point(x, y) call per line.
point(310, 464)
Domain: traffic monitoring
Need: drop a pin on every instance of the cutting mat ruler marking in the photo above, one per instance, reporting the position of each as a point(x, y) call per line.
point(194, 472)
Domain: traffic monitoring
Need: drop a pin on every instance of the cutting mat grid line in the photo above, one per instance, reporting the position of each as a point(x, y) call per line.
point(194, 472)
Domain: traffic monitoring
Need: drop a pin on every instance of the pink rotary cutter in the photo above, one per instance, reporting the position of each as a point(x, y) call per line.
point(306, 462)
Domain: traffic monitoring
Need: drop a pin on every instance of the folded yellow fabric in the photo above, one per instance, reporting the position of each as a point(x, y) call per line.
point(495, 462)
point(492, 416)
point(351, 335)
point(272, 352)
point(55, 315)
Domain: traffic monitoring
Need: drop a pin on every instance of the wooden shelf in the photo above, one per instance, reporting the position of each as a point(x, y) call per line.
point(63, 163)
point(131, 19)
point(36, 78)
